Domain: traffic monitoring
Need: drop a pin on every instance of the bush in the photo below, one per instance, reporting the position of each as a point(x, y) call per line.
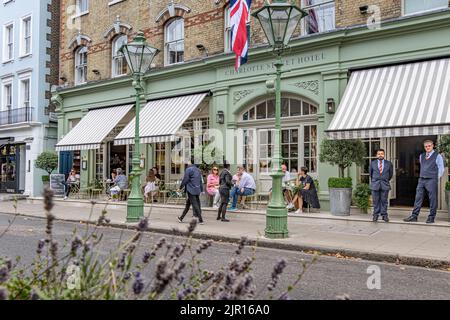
point(45, 178)
point(47, 161)
point(340, 182)
point(362, 196)
point(447, 186)
point(342, 153)
point(80, 269)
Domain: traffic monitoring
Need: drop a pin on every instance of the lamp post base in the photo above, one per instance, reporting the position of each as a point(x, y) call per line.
point(276, 215)
point(135, 209)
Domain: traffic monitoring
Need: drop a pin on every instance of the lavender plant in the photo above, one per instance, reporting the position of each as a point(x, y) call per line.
point(77, 269)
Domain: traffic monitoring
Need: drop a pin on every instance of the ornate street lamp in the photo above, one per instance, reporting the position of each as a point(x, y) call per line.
point(139, 55)
point(279, 20)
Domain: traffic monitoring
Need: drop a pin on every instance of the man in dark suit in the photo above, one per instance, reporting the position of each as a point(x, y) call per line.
point(193, 184)
point(381, 171)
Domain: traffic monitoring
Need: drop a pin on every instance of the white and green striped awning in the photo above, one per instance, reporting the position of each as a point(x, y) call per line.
point(160, 120)
point(93, 128)
point(404, 100)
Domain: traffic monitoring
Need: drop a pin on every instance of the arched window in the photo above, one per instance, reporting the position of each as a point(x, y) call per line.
point(119, 63)
point(81, 65)
point(290, 107)
point(174, 41)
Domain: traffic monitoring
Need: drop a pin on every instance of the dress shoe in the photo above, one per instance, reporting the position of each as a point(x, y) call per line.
point(411, 219)
point(385, 218)
point(430, 220)
point(375, 218)
point(218, 218)
point(225, 220)
point(180, 220)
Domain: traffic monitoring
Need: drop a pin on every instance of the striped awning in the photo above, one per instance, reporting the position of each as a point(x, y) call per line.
point(93, 128)
point(160, 120)
point(405, 100)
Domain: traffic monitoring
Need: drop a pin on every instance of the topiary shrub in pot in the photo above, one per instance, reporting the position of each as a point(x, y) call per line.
point(342, 153)
point(444, 148)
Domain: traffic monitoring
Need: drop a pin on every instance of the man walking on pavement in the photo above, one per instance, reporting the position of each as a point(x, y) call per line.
point(226, 183)
point(381, 172)
point(431, 170)
point(193, 184)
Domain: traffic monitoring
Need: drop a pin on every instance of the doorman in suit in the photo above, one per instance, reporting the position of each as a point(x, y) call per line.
point(431, 170)
point(381, 171)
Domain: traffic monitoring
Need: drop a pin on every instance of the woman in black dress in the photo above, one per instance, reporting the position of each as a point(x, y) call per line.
point(308, 193)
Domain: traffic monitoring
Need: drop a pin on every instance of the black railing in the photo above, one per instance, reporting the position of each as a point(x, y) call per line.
point(16, 115)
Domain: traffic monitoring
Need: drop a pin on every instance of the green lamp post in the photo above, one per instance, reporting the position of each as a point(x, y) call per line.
point(279, 20)
point(139, 55)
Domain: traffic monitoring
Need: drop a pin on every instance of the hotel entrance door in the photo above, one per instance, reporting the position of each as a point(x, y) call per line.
point(407, 169)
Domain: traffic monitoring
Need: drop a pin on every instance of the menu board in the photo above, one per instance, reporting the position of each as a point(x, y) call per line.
point(57, 184)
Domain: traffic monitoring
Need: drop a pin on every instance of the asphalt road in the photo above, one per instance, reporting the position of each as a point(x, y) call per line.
point(328, 277)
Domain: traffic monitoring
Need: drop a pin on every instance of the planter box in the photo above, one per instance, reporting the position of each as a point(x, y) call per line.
point(340, 201)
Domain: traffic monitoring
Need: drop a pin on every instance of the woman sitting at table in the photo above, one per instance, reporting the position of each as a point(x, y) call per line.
point(151, 188)
point(213, 187)
point(71, 182)
point(307, 194)
point(120, 182)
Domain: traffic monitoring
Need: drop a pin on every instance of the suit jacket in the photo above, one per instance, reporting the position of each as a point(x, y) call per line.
point(381, 181)
point(192, 181)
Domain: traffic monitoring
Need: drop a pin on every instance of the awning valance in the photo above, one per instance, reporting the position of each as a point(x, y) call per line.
point(161, 119)
point(93, 128)
point(405, 100)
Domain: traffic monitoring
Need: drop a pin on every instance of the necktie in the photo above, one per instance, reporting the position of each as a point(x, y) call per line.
point(428, 156)
point(380, 167)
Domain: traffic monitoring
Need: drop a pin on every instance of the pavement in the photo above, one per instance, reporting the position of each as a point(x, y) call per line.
point(416, 244)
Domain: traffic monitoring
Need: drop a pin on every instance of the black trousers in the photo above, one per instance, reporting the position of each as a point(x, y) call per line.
point(224, 198)
point(193, 200)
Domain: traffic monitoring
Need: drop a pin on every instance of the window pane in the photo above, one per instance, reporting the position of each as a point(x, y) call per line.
point(296, 106)
point(271, 109)
point(251, 115)
point(414, 6)
point(307, 150)
point(285, 151)
point(285, 107)
point(306, 137)
point(305, 108)
point(285, 136)
point(313, 136)
point(294, 151)
point(313, 109)
point(261, 111)
point(245, 116)
point(294, 136)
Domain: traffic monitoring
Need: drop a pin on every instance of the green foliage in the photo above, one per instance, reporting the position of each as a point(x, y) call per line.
point(361, 196)
point(342, 153)
point(340, 182)
point(96, 184)
point(447, 185)
point(444, 147)
point(47, 161)
point(45, 178)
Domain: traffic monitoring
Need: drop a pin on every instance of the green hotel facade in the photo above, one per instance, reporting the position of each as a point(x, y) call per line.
point(318, 69)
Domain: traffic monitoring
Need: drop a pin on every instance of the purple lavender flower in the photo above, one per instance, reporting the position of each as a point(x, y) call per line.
point(143, 224)
point(241, 246)
point(48, 199)
point(3, 294)
point(76, 244)
point(146, 257)
point(192, 226)
point(4, 274)
point(41, 245)
point(277, 271)
point(138, 284)
point(127, 276)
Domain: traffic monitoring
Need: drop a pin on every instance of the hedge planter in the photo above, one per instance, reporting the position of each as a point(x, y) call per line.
point(340, 196)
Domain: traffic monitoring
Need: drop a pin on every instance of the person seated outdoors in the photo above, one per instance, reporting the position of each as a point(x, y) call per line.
point(307, 194)
point(212, 187)
point(247, 187)
point(287, 192)
point(72, 182)
point(151, 188)
point(120, 183)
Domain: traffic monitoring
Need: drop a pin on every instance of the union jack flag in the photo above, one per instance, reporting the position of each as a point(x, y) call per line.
point(239, 16)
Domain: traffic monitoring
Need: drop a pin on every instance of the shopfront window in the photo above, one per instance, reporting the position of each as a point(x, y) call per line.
point(372, 145)
point(290, 107)
point(8, 164)
point(160, 159)
point(310, 148)
point(417, 6)
point(320, 18)
point(99, 172)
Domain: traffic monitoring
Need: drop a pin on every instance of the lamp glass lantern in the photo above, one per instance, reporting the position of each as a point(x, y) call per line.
point(220, 117)
point(139, 54)
point(279, 20)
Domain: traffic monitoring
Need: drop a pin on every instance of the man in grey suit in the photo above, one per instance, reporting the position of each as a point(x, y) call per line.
point(193, 184)
point(381, 171)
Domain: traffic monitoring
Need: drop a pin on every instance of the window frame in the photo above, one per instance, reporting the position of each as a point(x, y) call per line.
point(23, 37)
point(78, 6)
point(306, 8)
point(79, 65)
point(404, 14)
point(227, 31)
point(115, 56)
point(7, 82)
point(167, 43)
point(26, 77)
point(6, 44)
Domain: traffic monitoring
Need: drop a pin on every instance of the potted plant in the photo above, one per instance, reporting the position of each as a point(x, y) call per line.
point(361, 197)
point(444, 149)
point(47, 161)
point(342, 153)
